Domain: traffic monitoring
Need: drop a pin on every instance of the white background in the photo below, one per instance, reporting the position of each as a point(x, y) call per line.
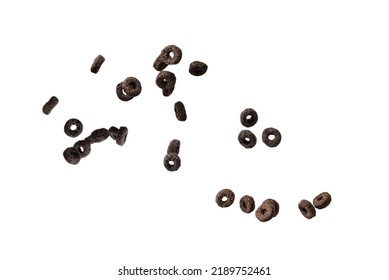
point(316, 70)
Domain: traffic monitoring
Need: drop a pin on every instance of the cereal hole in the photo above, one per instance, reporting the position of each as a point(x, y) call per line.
point(224, 198)
point(73, 127)
point(171, 163)
point(271, 137)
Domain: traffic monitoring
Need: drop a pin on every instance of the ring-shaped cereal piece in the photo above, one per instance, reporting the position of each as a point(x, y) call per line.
point(307, 209)
point(98, 135)
point(322, 200)
point(265, 212)
point(172, 162)
point(123, 96)
point(83, 148)
point(248, 117)
point(72, 155)
point(99, 60)
point(274, 204)
point(171, 55)
point(247, 139)
point(73, 132)
point(132, 86)
point(122, 135)
point(198, 68)
point(174, 146)
point(225, 198)
point(49, 105)
point(166, 81)
point(247, 204)
point(179, 109)
point(271, 142)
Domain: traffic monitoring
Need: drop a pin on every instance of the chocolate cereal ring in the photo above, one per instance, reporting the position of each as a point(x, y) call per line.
point(49, 105)
point(307, 209)
point(248, 117)
point(225, 198)
point(72, 155)
point(247, 204)
point(99, 60)
point(174, 147)
point(132, 86)
point(274, 204)
point(121, 94)
point(247, 139)
point(83, 147)
point(322, 200)
point(180, 111)
point(171, 54)
point(198, 68)
point(122, 136)
point(73, 128)
point(98, 135)
point(271, 142)
point(265, 212)
point(166, 81)
point(172, 162)
point(113, 132)
point(159, 64)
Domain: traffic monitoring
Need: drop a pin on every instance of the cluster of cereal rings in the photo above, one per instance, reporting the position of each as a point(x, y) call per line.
point(247, 139)
point(126, 91)
point(321, 201)
point(81, 149)
point(166, 81)
point(265, 212)
point(269, 207)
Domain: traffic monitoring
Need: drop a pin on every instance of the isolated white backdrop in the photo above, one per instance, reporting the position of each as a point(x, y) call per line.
point(316, 70)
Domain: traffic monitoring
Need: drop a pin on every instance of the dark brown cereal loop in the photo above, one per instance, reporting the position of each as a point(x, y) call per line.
point(113, 132)
point(83, 148)
point(265, 212)
point(132, 86)
point(99, 60)
point(247, 139)
point(248, 117)
point(73, 128)
point(171, 54)
point(121, 94)
point(166, 81)
point(198, 68)
point(159, 64)
point(49, 105)
point(180, 111)
point(172, 162)
point(322, 200)
point(72, 155)
point(174, 147)
point(122, 136)
point(307, 209)
point(274, 204)
point(225, 198)
point(98, 135)
point(268, 132)
point(247, 204)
